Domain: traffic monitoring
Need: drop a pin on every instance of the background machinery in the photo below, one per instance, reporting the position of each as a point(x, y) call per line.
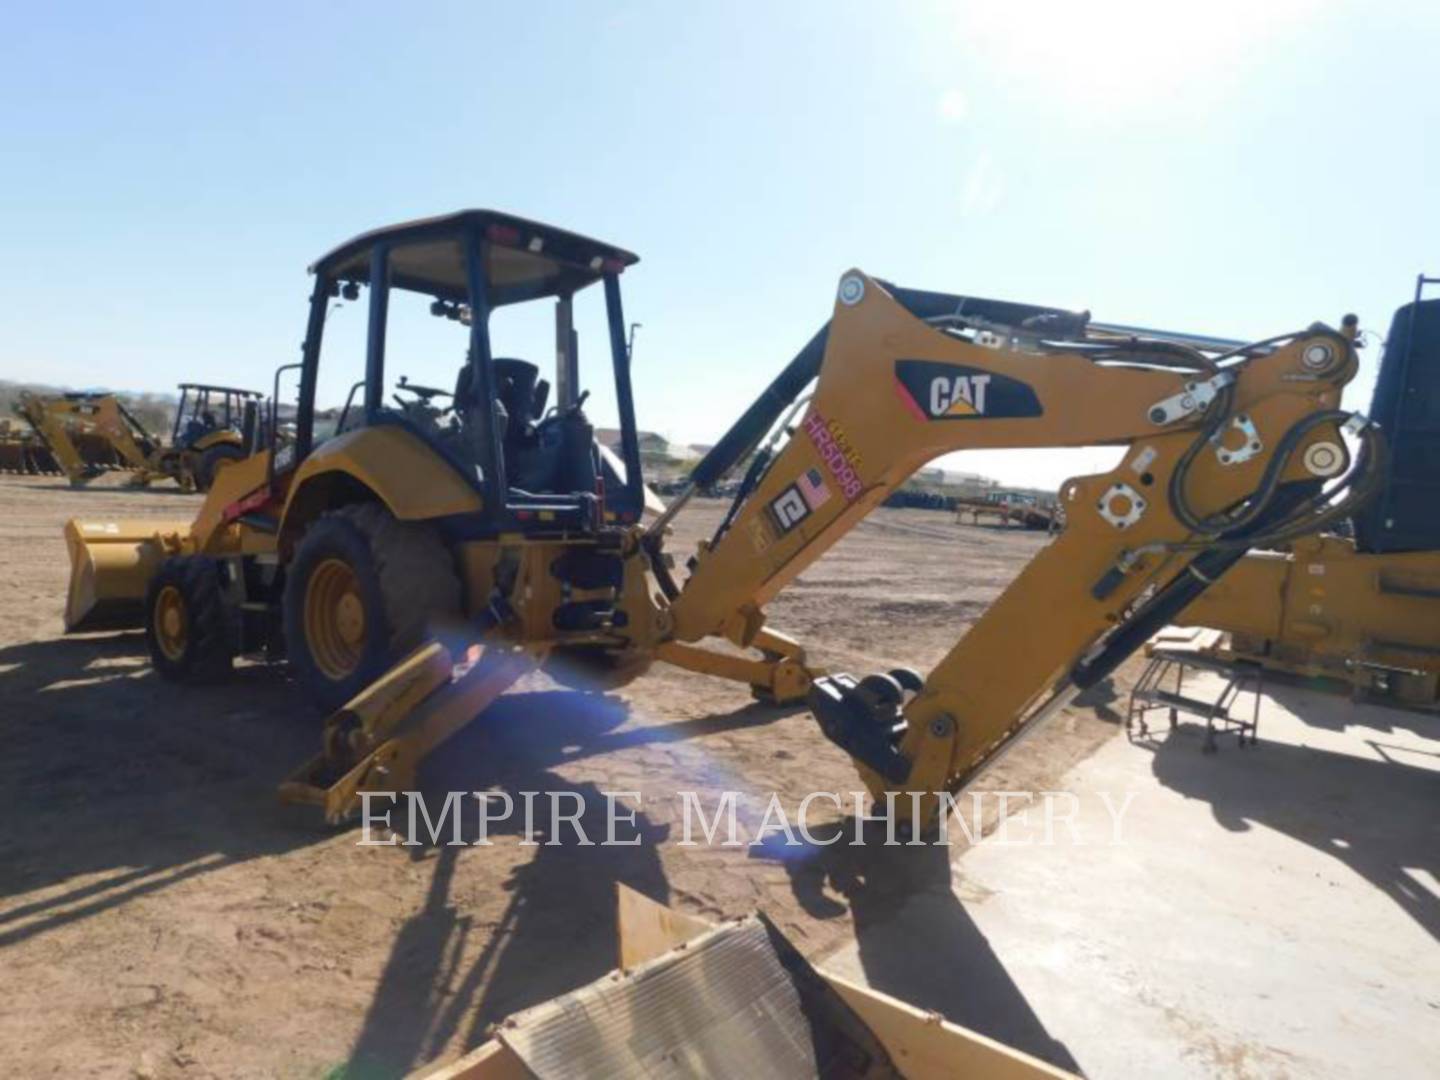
point(87, 433)
point(210, 429)
point(416, 564)
point(1362, 604)
point(22, 451)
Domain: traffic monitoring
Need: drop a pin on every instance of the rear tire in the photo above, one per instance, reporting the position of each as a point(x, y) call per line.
point(362, 591)
point(187, 627)
point(213, 460)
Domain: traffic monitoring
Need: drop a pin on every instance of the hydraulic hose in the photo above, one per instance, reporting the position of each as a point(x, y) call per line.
point(1312, 516)
point(1155, 353)
point(1229, 520)
point(745, 434)
point(1175, 596)
point(1309, 513)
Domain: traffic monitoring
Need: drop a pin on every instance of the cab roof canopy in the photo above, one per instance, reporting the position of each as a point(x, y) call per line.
point(219, 389)
point(524, 259)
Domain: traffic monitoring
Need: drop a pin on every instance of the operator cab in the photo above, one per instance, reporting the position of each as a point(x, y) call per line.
point(206, 409)
point(524, 443)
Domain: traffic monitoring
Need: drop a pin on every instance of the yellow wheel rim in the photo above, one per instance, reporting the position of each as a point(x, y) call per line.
point(334, 619)
point(172, 623)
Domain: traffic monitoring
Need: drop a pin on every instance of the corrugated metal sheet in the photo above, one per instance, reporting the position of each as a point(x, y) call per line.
point(723, 1006)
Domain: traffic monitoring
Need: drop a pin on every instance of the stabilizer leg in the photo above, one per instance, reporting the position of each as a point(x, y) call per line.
point(377, 741)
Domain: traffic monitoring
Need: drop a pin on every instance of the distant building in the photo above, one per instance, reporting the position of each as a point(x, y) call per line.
point(650, 443)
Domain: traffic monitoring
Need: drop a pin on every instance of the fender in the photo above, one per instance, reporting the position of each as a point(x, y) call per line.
point(215, 438)
point(413, 481)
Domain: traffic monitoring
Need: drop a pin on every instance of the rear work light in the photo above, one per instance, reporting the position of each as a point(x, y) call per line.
point(503, 234)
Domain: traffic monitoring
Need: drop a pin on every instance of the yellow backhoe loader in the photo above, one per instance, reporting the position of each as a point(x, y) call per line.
point(1362, 609)
point(451, 538)
point(213, 427)
point(207, 437)
point(65, 423)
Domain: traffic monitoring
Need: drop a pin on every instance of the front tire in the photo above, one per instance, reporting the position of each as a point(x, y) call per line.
point(362, 591)
point(187, 628)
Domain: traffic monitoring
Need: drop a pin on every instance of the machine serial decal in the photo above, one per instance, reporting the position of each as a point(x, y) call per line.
point(840, 458)
point(933, 391)
point(789, 509)
point(794, 505)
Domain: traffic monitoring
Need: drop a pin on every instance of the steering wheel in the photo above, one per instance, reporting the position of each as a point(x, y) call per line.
point(423, 393)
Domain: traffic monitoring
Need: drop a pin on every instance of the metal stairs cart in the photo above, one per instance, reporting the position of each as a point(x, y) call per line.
point(1162, 686)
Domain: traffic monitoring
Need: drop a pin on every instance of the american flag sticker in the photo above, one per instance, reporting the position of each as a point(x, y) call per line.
point(812, 487)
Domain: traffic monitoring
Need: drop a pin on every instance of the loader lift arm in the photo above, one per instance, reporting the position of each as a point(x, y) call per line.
point(1224, 448)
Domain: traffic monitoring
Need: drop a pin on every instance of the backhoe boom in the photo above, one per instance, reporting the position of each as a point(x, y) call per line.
point(1217, 456)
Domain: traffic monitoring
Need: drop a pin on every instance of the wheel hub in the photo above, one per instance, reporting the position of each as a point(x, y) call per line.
point(350, 618)
point(171, 624)
point(335, 621)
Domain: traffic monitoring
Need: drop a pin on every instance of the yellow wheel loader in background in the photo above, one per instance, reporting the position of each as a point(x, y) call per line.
point(207, 436)
point(450, 538)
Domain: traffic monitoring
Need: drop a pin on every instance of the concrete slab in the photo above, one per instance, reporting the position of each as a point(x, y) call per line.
point(1272, 911)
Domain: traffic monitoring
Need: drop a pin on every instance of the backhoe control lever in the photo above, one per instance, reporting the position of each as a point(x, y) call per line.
point(864, 717)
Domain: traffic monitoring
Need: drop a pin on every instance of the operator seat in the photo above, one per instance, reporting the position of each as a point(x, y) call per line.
point(529, 468)
point(515, 383)
point(520, 398)
point(550, 456)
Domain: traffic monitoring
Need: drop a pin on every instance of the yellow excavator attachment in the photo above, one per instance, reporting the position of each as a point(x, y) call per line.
point(111, 564)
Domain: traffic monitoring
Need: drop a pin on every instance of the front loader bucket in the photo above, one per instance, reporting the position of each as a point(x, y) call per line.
point(111, 564)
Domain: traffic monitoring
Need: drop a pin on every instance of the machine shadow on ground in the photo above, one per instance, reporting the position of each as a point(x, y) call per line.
point(557, 930)
point(111, 771)
point(129, 785)
point(1375, 817)
point(915, 939)
point(126, 785)
point(1103, 697)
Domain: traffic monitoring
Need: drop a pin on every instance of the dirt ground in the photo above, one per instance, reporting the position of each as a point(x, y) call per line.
point(162, 915)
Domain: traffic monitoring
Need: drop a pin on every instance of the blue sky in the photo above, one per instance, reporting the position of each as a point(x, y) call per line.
point(1235, 168)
